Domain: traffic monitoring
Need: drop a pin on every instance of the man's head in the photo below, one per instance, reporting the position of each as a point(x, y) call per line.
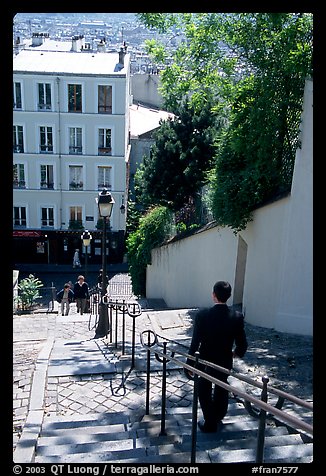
point(67, 286)
point(81, 278)
point(222, 291)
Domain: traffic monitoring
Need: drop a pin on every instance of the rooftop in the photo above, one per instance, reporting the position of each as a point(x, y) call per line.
point(144, 119)
point(68, 62)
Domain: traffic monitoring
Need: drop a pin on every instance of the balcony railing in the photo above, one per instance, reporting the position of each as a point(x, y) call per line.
point(101, 186)
point(46, 149)
point(76, 186)
point(20, 223)
point(19, 184)
point(44, 107)
point(104, 151)
point(105, 109)
point(76, 225)
point(73, 150)
point(47, 185)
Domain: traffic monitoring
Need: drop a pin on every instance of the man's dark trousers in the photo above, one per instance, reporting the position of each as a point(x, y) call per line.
point(214, 407)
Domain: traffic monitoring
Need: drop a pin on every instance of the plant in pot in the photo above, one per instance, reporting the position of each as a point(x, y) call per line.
point(28, 293)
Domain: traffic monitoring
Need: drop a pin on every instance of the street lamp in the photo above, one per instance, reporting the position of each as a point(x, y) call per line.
point(86, 238)
point(105, 203)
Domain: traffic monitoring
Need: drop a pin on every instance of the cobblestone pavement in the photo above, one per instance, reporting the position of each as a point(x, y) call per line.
point(285, 358)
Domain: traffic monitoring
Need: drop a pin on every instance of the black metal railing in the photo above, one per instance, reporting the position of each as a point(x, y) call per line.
point(163, 353)
point(118, 309)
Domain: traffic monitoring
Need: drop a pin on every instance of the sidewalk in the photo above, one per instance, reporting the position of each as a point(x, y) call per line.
point(59, 369)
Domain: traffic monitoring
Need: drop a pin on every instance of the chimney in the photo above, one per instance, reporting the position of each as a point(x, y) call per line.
point(78, 43)
point(122, 56)
point(101, 46)
point(37, 39)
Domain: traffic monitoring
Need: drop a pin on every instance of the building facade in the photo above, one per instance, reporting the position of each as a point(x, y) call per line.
point(70, 141)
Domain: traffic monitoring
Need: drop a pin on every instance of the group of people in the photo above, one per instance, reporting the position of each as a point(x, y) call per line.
point(78, 292)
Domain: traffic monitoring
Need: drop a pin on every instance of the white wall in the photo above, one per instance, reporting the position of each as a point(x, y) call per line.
point(144, 88)
point(183, 273)
point(278, 277)
point(295, 298)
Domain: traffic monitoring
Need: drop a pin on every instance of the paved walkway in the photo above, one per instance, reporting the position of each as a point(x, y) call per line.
point(59, 369)
point(82, 375)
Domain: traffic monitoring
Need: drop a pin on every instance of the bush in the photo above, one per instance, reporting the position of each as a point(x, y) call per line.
point(28, 292)
point(152, 231)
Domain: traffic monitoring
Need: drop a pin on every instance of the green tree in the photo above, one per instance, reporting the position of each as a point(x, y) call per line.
point(258, 64)
point(183, 151)
point(152, 231)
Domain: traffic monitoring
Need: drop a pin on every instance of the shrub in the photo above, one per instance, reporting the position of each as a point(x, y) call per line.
point(153, 229)
point(28, 292)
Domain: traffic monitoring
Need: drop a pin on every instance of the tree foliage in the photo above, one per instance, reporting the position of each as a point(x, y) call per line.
point(257, 64)
point(176, 169)
point(152, 230)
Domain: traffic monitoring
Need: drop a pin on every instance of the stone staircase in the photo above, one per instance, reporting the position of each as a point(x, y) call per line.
point(115, 437)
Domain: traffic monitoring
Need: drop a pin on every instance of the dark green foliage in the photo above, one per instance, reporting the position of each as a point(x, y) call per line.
point(152, 231)
point(182, 153)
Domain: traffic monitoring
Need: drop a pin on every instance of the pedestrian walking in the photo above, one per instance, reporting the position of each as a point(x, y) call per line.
point(81, 293)
point(65, 297)
point(76, 259)
point(218, 335)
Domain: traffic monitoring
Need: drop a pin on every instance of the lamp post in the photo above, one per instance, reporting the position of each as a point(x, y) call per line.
point(105, 203)
point(86, 239)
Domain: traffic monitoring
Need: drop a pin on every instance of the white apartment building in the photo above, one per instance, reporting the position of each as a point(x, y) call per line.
point(70, 141)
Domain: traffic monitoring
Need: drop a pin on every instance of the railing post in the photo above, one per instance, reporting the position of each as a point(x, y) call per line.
point(133, 341)
point(194, 414)
point(53, 289)
point(116, 323)
point(148, 369)
point(163, 432)
point(123, 326)
point(262, 424)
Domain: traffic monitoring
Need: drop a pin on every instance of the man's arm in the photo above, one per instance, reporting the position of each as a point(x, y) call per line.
point(240, 340)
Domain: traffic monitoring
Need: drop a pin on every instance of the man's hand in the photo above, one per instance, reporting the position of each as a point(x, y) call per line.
point(188, 373)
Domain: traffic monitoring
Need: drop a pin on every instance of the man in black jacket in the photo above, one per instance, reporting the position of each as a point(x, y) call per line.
point(215, 332)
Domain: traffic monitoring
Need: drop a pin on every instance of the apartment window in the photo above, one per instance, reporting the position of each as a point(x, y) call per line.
point(47, 177)
point(75, 140)
point(17, 96)
point(75, 218)
point(104, 178)
point(75, 177)
point(74, 98)
point(20, 216)
point(47, 217)
point(105, 99)
point(44, 97)
point(104, 142)
point(46, 139)
point(19, 176)
point(18, 143)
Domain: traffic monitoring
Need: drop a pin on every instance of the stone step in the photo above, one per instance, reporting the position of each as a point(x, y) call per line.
point(112, 436)
point(288, 453)
point(63, 422)
point(139, 455)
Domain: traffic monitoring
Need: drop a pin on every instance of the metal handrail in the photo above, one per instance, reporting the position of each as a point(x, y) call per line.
point(261, 404)
point(130, 308)
point(244, 378)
